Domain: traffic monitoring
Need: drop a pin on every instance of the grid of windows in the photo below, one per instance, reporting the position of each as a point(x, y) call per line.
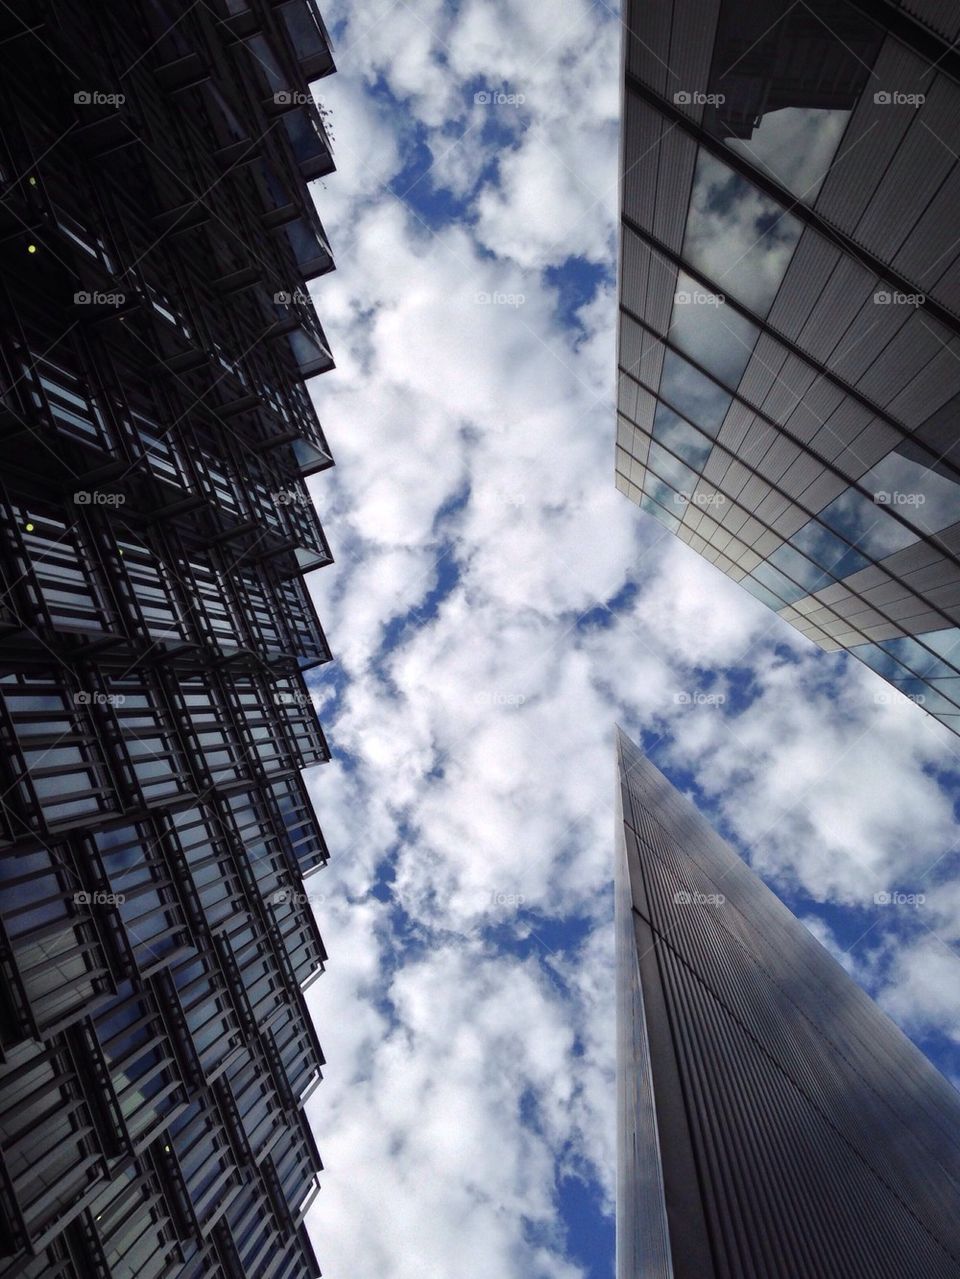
point(156, 434)
point(790, 317)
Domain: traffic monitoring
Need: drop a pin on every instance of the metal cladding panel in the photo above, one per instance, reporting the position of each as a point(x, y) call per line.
point(646, 31)
point(825, 1144)
point(942, 16)
point(872, 137)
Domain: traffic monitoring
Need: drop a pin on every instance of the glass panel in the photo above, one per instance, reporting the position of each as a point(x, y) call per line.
point(923, 496)
point(828, 549)
point(762, 593)
point(680, 437)
point(738, 238)
point(866, 525)
point(711, 332)
point(786, 83)
point(655, 509)
point(668, 468)
point(695, 395)
point(769, 576)
point(802, 570)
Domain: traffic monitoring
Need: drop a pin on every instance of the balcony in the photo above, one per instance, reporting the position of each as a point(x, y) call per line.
point(309, 143)
point(309, 37)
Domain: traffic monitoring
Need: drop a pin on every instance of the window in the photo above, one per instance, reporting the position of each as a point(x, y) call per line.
point(711, 332)
point(866, 525)
point(740, 239)
point(787, 83)
point(697, 397)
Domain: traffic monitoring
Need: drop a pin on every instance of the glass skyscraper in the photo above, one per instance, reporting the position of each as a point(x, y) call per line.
point(156, 935)
point(789, 343)
point(773, 1122)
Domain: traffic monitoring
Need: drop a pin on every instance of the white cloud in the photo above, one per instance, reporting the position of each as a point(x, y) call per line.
point(473, 503)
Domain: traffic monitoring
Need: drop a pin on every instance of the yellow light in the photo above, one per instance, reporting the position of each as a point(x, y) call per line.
point(28, 527)
point(31, 248)
point(33, 182)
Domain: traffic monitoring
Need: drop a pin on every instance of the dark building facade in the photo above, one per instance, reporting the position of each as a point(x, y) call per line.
point(773, 1122)
point(789, 343)
point(156, 238)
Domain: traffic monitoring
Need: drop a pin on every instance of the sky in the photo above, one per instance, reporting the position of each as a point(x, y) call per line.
point(496, 606)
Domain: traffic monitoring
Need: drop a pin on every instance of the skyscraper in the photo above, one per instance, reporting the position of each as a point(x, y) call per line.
point(156, 237)
point(773, 1122)
point(789, 347)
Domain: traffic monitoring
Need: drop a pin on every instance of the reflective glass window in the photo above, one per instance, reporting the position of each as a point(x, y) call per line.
point(694, 394)
point(926, 498)
point(740, 239)
point(787, 77)
point(710, 332)
point(680, 437)
point(867, 525)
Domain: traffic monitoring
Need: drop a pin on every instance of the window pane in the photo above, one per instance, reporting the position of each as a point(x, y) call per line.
point(923, 496)
point(738, 238)
point(711, 332)
point(866, 525)
point(680, 437)
point(696, 396)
